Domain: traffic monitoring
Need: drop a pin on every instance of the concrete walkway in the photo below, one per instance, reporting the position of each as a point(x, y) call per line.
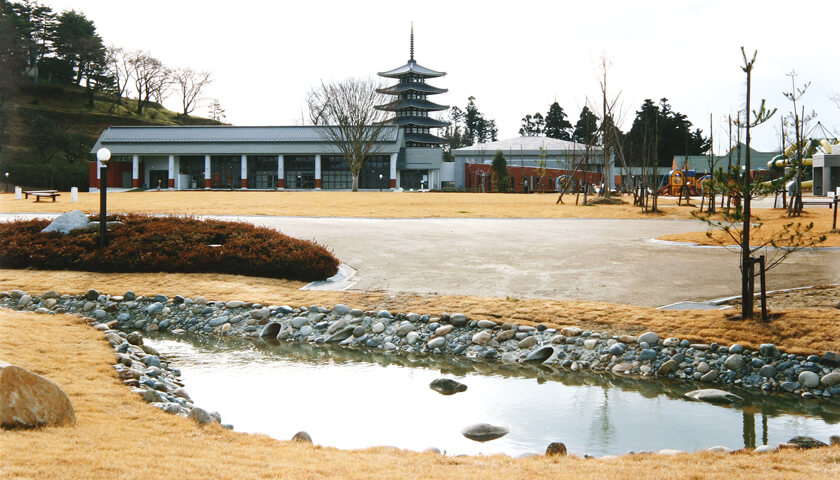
point(578, 259)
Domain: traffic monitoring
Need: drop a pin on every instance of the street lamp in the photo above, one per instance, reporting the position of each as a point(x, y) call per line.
point(103, 155)
point(7, 180)
point(380, 182)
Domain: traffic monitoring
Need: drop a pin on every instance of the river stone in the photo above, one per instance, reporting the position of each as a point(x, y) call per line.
point(340, 309)
point(67, 222)
point(340, 335)
point(384, 314)
point(715, 396)
point(590, 343)
point(481, 338)
point(302, 437)
point(806, 442)
point(734, 362)
point(768, 350)
point(358, 331)
point(484, 432)
point(719, 449)
point(671, 342)
point(446, 386)
point(261, 313)
point(667, 368)
point(215, 322)
point(622, 368)
point(648, 337)
point(571, 331)
point(134, 338)
point(555, 449)
point(618, 349)
point(767, 371)
point(298, 322)
point(154, 308)
point(540, 355)
point(443, 330)
point(486, 324)
point(152, 396)
point(404, 329)
point(647, 354)
point(710, 376)
point(457, 319)
point(377, 327)
point(202, 416)
point(505, 335)
point(527, 342)
point(765, 449)
point(809, 379)
point(306, 330)
point(830, 379)
point(28, 400)
point(834, 440)
point(830, 359)
point(437, 342)
point(235, 304)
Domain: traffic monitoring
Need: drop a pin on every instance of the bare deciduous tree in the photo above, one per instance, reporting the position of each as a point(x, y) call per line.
point(120, 69)
point(151, 78)
point(347, 112)
point(190, 84)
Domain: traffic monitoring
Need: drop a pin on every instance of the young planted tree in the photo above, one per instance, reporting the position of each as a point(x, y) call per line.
point(347, 112)
point(738, 224)
point(798, 121)
point(499, 172)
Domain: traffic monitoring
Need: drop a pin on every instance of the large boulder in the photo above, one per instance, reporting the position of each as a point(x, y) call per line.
point(713, 395)
point(67, 222)
point(28, 400)
point(446, 386)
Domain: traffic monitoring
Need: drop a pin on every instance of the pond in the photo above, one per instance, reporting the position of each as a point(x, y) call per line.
point(350, 398)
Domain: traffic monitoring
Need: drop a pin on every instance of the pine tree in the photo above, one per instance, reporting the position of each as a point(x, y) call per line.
point(586, 128)
point(556, 124)
point(500, 176)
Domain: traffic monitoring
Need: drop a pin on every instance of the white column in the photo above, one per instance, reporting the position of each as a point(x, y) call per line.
point(280, 170)
point(317, 172)
point(135, 167)
point(171, 171)
point(393, 174)
point(207, 175)
point(243, 174)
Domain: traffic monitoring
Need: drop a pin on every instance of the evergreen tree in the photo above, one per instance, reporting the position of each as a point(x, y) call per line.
point(499, 168)
point(527, 129)
point(78, 45)
point(586, 128)
point(556, 124)
point(660, 129)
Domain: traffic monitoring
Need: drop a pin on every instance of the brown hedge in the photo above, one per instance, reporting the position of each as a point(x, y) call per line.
point(167, 244)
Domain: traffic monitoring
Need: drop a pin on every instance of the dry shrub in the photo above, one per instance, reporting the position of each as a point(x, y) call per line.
point(167, 244)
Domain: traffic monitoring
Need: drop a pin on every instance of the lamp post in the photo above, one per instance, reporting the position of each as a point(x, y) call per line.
point(103, 155)
point(7, 180)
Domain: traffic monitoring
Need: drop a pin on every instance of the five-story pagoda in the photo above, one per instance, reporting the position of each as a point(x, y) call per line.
point(411, 109)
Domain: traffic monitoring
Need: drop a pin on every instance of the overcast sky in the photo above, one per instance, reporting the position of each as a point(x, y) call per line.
point(515, 57)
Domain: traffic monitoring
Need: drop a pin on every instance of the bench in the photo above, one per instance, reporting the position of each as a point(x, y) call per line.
point(830, 203)
point(39, 195)
point(34, 193)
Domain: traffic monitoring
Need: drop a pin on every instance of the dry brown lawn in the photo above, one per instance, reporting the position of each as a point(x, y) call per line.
point(117, 435)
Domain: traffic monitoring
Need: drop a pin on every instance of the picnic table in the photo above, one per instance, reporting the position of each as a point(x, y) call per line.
point(39, 194)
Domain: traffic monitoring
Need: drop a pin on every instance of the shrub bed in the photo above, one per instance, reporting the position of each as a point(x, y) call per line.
point(167, 244)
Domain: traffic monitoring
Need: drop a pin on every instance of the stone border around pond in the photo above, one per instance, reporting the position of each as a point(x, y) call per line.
point(767, 369)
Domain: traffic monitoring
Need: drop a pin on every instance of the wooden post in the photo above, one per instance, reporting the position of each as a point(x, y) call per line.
point(763, 289)
point(836, 204)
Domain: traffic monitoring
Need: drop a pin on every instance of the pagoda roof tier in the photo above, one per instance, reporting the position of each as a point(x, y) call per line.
point(426, 138)
point(412, 68)
point(412, 87)
point(419, 122)
point(418, 103)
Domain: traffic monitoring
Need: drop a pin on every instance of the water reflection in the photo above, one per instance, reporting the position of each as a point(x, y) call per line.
point(352, 398)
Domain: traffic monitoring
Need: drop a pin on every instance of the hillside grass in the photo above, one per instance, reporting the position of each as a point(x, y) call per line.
point(117, 435)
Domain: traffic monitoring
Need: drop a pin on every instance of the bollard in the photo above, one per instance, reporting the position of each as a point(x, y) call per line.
point(74, 194)
point(18, 192)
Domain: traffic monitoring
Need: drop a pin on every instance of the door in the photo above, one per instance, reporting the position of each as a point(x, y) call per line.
point(158, 179)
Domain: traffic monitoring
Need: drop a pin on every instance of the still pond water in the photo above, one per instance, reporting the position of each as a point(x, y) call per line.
point(355, 399)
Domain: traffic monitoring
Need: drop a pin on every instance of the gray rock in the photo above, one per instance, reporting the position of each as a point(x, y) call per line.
point(765, 449)
point(154, 308)
point(298, 322)
point(457, 319)
point(437, 342)
point(153, 396)
point(540, 355)
point(129, 296)
point(412, 338)
point(830, 379)
point(504, 335)
point(649, 337)
point(306, 330)
point(830, 359)
point(715, 396)
point(261, 313)
point(806, 442)
point(384, 314)
point(647, 354)
point(671, 342)
point(734, 362)
point(446, 386)
point(340, 310)
point(202, 416)
point(484, 432)
point(710, 376)
point(617, 349)
point(377, 327)
point(809, 379)
point(24, 301)
point(340, 335)
point(486, 324)
point(235, 304)
point(527, 342)
point(67, 222)
point(215, 322)
point(302, 437)
point(667, 368)
point(789, 386)
point(481, 338)
point(767, 371)
point(768, 350)
point(358, 331)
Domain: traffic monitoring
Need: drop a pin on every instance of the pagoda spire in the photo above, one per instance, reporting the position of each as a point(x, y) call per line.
point(411, 50)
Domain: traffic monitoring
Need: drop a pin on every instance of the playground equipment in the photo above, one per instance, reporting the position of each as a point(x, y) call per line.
point(808, 147)
point(677, 180)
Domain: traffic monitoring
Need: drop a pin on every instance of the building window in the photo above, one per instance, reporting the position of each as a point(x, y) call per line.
point(225, 172)
point(262, 172)
point(299, 171)
point(334, 173)
point(375, 172)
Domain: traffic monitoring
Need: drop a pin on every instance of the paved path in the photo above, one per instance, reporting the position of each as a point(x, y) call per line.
point(581, 259)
